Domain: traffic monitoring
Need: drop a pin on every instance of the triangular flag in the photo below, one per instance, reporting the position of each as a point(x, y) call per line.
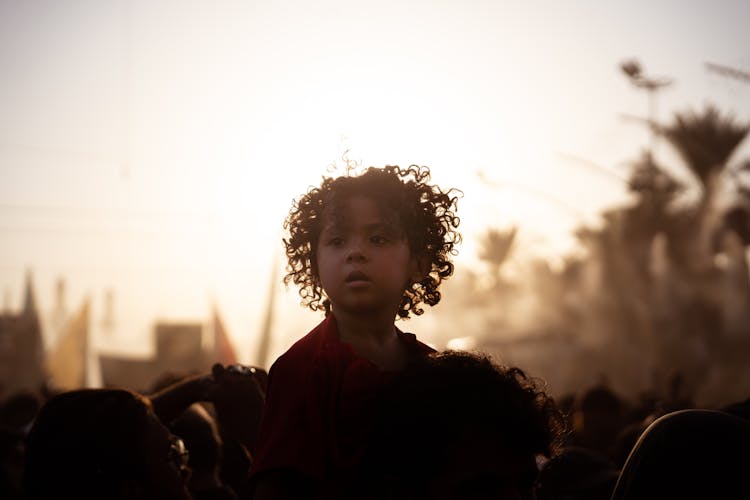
point(68, 360)
point(266, 330)
point(223, 350)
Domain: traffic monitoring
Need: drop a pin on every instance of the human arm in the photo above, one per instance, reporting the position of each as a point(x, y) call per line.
point(236, 391)
point(169, 402)
point(238, 394)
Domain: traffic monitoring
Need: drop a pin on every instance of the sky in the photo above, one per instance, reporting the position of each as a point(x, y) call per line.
point(153, 148)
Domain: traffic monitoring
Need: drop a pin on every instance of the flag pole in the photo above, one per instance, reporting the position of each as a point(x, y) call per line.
point(264, 343)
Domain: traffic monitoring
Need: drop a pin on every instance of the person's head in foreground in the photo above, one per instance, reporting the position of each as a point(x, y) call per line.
point(103, 443)
point(692, 453)
point(460, 426)
point(377, 242)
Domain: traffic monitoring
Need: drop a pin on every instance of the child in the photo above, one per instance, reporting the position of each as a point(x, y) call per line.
point(365, 249)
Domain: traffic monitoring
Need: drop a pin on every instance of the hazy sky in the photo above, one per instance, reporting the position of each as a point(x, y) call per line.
point(154, 147)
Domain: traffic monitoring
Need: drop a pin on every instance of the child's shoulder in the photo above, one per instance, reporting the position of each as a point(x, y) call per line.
point(413, 344)
point(305, 349)
point(310, 342)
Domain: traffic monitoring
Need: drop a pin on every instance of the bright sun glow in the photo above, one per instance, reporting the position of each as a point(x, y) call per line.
point(154, 148)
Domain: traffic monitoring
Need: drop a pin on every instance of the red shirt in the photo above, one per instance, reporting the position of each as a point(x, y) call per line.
point(317, 413)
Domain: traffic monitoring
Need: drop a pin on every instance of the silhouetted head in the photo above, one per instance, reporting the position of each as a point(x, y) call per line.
point(692, 453)
point(600, 399)
point(198, 430)
point(19, 410)
point(739, 408)
point(578, 473)
point(103, 443)
point(598, 418)
point(424, 213)
point(12, 449)
point(461, 426)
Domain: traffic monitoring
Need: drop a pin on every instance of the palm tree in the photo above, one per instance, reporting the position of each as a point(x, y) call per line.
point(706, 142)
point(496, 247)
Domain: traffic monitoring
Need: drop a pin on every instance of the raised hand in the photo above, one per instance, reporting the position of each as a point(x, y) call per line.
point(238, 395)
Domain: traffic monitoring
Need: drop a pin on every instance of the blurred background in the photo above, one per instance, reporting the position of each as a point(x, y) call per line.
point(150, 150)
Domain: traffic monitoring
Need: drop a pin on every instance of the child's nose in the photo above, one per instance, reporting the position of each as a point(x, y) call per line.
point(356, 254)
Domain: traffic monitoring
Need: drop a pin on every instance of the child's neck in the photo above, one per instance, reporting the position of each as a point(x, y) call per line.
point(374, 338)
point(377, 329)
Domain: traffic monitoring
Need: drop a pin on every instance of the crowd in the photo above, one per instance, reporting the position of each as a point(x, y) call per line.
point(359, 409)
point(458, 425)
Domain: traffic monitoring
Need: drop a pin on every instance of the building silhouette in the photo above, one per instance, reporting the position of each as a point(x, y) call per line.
point(42, 352)
point(21, 347)
point(180, 349)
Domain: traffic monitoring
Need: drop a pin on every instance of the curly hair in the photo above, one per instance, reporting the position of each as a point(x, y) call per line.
point(425, 213)
point(454, 389)
point(427, 414)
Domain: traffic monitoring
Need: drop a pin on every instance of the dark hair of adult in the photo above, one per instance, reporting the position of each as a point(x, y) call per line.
point(431, 408)
point(88, 443)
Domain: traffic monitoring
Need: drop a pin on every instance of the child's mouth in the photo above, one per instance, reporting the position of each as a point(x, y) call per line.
point(357, 277)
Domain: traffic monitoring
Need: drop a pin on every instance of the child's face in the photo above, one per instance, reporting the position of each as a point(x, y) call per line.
point(363, 261)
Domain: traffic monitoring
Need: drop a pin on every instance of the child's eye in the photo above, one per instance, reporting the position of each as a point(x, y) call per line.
point(336, 241)
point(378, 239)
